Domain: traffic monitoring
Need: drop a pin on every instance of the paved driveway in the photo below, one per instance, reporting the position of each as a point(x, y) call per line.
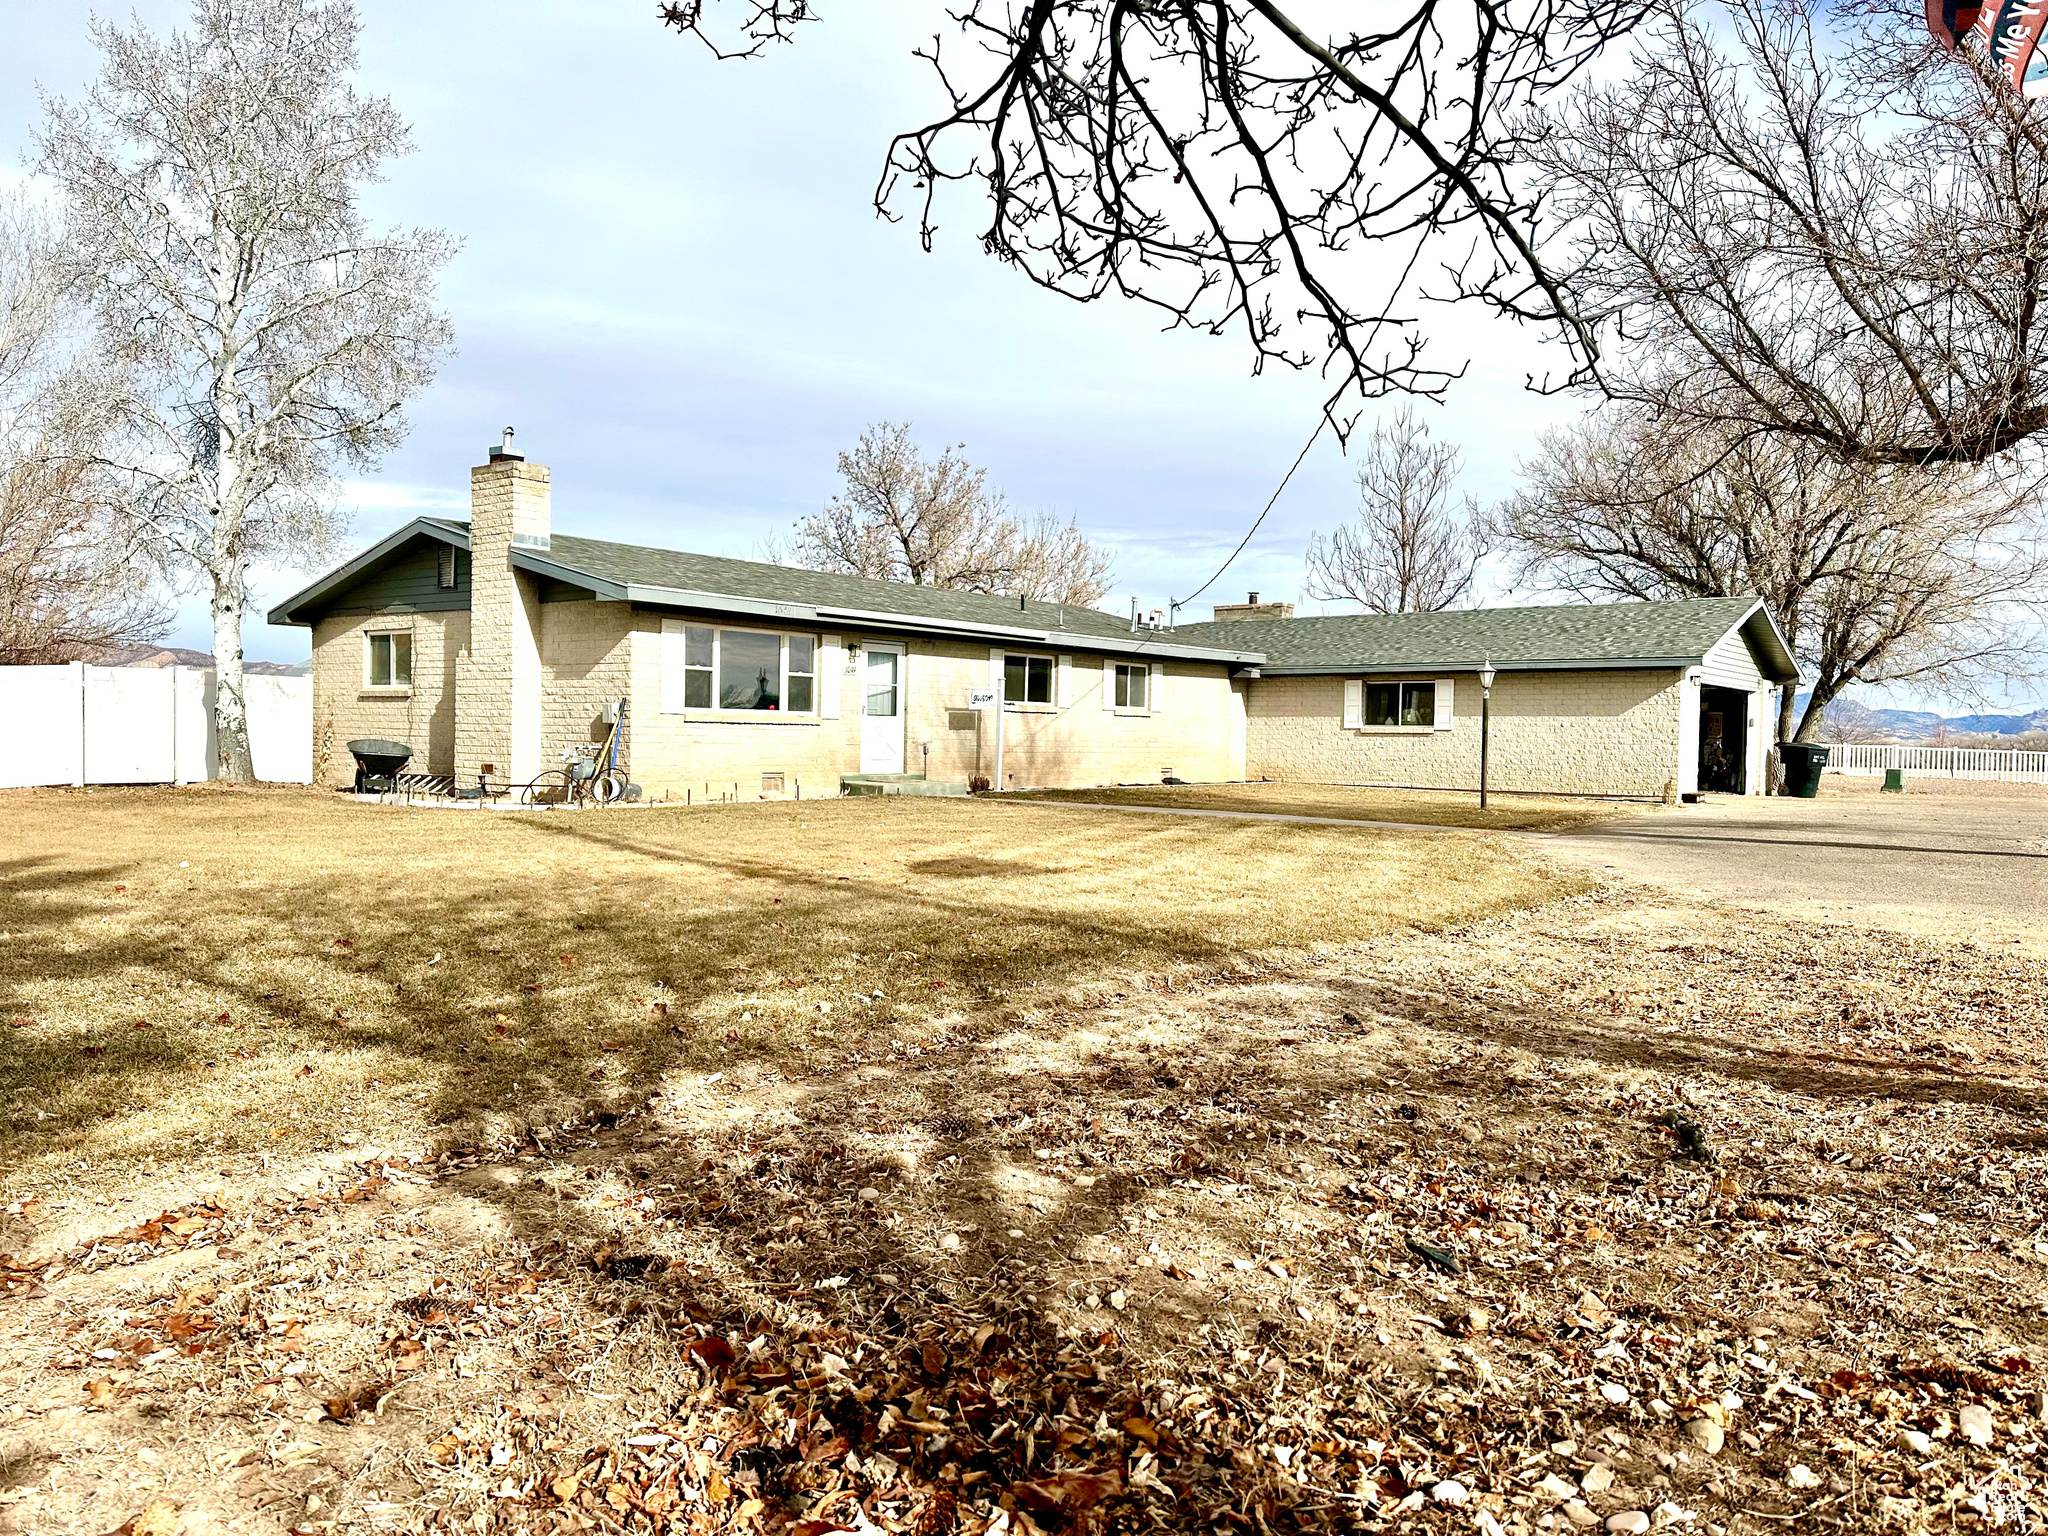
point(1952, 854)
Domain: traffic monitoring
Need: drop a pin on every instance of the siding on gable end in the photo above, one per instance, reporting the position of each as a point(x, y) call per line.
point(408, 582)
point(1731, 664)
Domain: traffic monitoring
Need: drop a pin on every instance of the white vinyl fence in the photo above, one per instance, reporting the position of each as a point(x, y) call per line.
point(1942, 762)
point(142, 725)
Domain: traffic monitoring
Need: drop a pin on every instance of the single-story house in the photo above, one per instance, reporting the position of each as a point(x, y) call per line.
point(490, 646)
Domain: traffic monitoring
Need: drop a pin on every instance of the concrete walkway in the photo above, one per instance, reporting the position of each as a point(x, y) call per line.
point(1952, 854)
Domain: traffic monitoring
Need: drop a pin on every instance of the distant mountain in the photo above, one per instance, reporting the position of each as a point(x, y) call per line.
point(181, 656)
point(1855, 722)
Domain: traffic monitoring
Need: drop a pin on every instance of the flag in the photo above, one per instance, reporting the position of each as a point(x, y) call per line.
point(2011, 31)
point(1948, 20)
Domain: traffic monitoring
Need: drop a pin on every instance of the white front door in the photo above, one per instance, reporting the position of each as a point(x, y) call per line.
point(881, 726)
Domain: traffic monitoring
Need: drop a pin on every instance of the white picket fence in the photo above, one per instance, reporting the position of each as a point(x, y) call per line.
point(1942, 762)
point(142, 725)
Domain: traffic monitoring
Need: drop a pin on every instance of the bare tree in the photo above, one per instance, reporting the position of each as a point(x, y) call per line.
point(1879, 574)
point(1415, 547)
point(935, 523)
point(1838, 239)
point(1226, 160)
point(1055, 563)
point(68, 585)
point(264, 336)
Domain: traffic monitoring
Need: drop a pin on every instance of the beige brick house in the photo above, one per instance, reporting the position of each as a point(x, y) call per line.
point(1602, 699)
point(489, 647)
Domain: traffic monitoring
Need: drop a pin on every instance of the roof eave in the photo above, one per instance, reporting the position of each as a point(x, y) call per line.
point(341, 575)
point(1581, 664)
point(898, 623)
point(1787, 664)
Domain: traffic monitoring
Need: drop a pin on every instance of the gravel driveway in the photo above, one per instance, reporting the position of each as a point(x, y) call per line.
point(1943, 850)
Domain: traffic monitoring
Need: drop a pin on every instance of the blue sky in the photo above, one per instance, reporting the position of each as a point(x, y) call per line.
point(674, 287)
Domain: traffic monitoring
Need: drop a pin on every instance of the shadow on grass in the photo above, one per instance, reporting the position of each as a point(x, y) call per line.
point(342, 999)
point(512, 1000)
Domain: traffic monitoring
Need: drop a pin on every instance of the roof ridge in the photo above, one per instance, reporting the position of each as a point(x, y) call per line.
point(1631, 603)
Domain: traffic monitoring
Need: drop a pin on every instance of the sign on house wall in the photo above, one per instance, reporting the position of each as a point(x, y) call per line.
point(143, 725)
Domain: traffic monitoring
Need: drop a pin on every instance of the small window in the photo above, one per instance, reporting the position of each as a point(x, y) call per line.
point(444, 570)
point(697, 641)
point(1131, 682)
point(390, 661)
point(803, 667)
point(884, 669)
point(1400, 703)
point(1027, 679)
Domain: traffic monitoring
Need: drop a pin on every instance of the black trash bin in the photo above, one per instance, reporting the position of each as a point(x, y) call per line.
point(1803, 762)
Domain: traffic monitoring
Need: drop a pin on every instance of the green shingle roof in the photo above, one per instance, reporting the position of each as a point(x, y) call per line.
point(677, 578)
point(1578, 635)
point(638, 565)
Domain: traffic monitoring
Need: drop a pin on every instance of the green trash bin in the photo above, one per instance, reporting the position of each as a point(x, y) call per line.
point(1803, 762)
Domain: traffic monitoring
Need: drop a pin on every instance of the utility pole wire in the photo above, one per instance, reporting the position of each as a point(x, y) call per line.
point(1181, 602)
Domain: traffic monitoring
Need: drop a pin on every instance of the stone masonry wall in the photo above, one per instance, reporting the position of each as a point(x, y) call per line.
point(1566, 732)
point(586, 663)
point(499, 680)
point(423, 716)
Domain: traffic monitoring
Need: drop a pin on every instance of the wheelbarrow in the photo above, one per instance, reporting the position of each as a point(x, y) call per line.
point(378, 764)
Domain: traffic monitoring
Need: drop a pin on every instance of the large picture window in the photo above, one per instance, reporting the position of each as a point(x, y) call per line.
point(749, 669)
point(1400, 703)
point(1027, 679)
point(388, 662)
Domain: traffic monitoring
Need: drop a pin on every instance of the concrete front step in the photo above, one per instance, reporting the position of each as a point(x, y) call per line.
point(899, 784)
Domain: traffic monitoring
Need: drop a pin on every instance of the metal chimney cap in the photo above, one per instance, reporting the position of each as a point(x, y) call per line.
point(503, 449)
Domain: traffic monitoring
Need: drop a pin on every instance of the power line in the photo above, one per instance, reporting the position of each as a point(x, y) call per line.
point(1180, 602)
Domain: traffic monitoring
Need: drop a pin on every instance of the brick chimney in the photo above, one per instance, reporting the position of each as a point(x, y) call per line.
point(1252, 608)
point(498, 681)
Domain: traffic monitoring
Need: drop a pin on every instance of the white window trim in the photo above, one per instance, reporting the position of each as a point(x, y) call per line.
point(996, 658)
point(389, 690)
point(674, 674)
point(1153, 673)
point(1354, 706)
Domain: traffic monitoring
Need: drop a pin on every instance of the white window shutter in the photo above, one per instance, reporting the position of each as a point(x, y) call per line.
point(672, 654)
point(1063, 681)
point(1109, 682)
point(1444, 690)
point(831, 662)
point(995, 675)
point(1155, 693)
point(1354, 704)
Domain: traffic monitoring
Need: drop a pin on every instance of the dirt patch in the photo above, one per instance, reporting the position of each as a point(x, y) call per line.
point(1613, 1208)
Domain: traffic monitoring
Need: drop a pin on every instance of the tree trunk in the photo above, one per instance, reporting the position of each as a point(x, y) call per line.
point(1774, 760)
point(1817, 704)
point(230, 712)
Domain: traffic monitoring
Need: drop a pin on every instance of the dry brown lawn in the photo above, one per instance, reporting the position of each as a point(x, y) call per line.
point(1440, 808)
point(206, 973)
point(1203, 1202)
